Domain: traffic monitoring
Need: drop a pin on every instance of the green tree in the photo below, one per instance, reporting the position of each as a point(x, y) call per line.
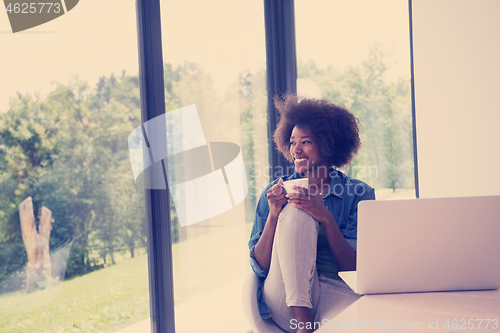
point(384, 110)
point(69, 152)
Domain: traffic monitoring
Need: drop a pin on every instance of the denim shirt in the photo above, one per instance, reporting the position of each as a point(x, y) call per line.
point(341, 200)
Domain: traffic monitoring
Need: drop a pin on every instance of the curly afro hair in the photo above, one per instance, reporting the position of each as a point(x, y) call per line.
point(336, 130)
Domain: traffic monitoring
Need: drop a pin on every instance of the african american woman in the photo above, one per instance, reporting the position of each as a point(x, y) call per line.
point(300, 241)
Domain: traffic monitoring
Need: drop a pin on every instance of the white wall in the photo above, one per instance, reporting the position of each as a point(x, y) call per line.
point(457, 96)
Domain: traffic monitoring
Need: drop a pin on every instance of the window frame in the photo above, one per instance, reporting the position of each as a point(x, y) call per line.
point(152, 90)
point(281, 71)
point(413, 116)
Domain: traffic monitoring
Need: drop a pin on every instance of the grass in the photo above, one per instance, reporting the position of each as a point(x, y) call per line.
point(118, 296)
point(102, 301)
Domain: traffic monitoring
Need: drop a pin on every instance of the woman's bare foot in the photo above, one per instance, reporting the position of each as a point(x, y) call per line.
point(303, 320)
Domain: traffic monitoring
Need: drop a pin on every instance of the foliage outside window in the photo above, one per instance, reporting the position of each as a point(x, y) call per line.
point(385, 160)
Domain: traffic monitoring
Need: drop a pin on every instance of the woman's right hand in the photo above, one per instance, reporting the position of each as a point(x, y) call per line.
point(276, 199)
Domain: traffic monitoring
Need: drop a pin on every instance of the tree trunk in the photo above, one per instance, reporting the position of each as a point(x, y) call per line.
point(36, 243)
point(131, 248)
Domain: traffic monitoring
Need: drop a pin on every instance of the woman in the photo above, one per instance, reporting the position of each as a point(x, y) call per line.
point(300, 241)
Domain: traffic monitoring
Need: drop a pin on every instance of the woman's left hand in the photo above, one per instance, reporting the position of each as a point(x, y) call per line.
point(311, 203)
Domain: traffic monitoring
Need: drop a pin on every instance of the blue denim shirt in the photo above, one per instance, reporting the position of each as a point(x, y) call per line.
point(342, 201)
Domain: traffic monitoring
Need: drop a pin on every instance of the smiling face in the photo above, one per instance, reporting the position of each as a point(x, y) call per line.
point(304, 150)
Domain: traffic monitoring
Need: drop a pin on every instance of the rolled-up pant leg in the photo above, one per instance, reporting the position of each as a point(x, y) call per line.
point(293, 278)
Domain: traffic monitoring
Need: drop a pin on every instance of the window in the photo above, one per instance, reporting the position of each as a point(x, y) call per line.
point(64, 145)
point(357, 54)
point(214, 66)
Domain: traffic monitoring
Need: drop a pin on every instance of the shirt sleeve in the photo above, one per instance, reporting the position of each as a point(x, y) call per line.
point(351, 230)
point(261, 214)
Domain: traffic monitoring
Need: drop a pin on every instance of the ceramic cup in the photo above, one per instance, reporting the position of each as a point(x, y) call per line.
point(302, 182)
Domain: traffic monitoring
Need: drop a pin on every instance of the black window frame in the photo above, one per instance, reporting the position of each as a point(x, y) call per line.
point(281, 70)
point(152, 89)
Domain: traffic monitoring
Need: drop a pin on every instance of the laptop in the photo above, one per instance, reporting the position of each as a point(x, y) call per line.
point(423, 245)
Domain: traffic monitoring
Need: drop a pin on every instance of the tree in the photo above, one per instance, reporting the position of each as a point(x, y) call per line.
point(384, 110)
point(69, 152)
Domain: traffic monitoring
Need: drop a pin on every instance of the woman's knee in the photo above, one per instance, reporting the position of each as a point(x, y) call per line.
point(295, 216)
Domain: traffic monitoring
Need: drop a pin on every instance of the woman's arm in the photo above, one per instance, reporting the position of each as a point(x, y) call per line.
point(263, 249)
point(343, 254)
point(264, 246)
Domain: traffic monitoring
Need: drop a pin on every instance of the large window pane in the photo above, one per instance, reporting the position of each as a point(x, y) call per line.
point(69, 98)
point(357, 54)
point(214, 55)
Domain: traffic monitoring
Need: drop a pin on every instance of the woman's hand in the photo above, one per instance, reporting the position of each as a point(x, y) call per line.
point(311, 203)
point(276, 199)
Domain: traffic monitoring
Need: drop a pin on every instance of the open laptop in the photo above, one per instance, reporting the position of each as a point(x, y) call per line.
point(420, 245)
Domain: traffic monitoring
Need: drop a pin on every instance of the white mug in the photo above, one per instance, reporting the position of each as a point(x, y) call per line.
point(302, 182)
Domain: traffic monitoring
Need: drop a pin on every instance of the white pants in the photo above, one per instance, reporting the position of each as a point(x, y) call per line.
point(293, 279)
